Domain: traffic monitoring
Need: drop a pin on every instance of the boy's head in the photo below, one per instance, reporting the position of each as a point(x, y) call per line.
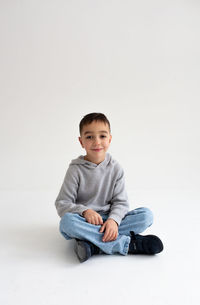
point(89, 118)
point(95, 136)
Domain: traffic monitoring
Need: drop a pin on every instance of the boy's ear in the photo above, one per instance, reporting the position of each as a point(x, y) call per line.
point(79, 138)
point(110, 139)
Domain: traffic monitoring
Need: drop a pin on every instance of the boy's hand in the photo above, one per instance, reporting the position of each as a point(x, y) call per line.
point(93, 217)
point(111, 228)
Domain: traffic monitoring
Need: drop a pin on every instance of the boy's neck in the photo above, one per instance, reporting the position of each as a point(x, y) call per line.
point(96, 161)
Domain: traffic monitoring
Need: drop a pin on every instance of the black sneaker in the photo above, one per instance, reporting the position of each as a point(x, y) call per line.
point(85, 249)
point(149, 244)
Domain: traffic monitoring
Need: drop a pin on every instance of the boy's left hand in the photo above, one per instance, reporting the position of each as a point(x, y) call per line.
point(111, 228)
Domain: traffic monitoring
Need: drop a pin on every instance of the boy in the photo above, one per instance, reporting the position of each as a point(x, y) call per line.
point(93, 203)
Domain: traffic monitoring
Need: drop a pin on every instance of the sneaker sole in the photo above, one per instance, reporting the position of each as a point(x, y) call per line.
point(82, 251)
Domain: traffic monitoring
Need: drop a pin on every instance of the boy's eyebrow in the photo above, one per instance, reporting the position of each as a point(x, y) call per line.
point(86, 132)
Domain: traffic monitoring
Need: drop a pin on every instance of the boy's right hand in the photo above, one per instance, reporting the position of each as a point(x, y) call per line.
point(93, 217)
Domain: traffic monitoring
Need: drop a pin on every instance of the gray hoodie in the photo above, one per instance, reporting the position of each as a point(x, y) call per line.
point(100, 187)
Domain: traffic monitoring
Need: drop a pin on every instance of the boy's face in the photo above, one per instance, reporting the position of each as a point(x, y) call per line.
point(95, 139)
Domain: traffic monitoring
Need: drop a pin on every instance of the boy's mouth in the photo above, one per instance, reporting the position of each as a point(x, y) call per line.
point(98, 149)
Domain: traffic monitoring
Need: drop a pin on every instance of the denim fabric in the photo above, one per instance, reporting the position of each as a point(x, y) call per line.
point(75, 226)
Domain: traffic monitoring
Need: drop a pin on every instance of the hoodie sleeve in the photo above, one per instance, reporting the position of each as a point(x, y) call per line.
point(66, 200)
point(119, 203)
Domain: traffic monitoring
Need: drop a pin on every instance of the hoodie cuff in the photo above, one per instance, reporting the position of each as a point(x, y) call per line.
point(116, 218)
point(83, 210)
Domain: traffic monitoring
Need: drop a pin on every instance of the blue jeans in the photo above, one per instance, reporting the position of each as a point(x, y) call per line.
point(75, 226)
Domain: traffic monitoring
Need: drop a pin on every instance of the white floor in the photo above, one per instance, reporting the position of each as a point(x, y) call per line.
point(38, 266)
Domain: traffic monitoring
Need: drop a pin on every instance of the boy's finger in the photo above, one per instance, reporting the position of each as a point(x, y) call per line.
point(111, 236)
point(100, 222)
point(96, 220)
point(102, 228)
point(106, 236)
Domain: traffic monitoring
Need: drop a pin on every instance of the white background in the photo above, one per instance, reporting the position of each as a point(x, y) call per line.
point(137, 62)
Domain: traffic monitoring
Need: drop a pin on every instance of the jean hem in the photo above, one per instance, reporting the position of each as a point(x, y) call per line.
point(126, 246)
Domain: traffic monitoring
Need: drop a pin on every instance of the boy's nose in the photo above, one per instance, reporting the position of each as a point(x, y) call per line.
point(97, 141)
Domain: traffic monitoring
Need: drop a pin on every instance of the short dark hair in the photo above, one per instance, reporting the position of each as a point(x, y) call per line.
point(94, 116)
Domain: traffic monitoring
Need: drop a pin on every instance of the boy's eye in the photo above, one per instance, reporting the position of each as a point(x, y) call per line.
point(89, 137)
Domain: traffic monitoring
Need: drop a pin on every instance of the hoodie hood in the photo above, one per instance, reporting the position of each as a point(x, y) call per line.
point(81, 161)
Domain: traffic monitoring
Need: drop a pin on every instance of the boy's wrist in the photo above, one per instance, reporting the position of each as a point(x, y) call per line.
point(84, 212)
point(115, 217)
point(113, 220)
